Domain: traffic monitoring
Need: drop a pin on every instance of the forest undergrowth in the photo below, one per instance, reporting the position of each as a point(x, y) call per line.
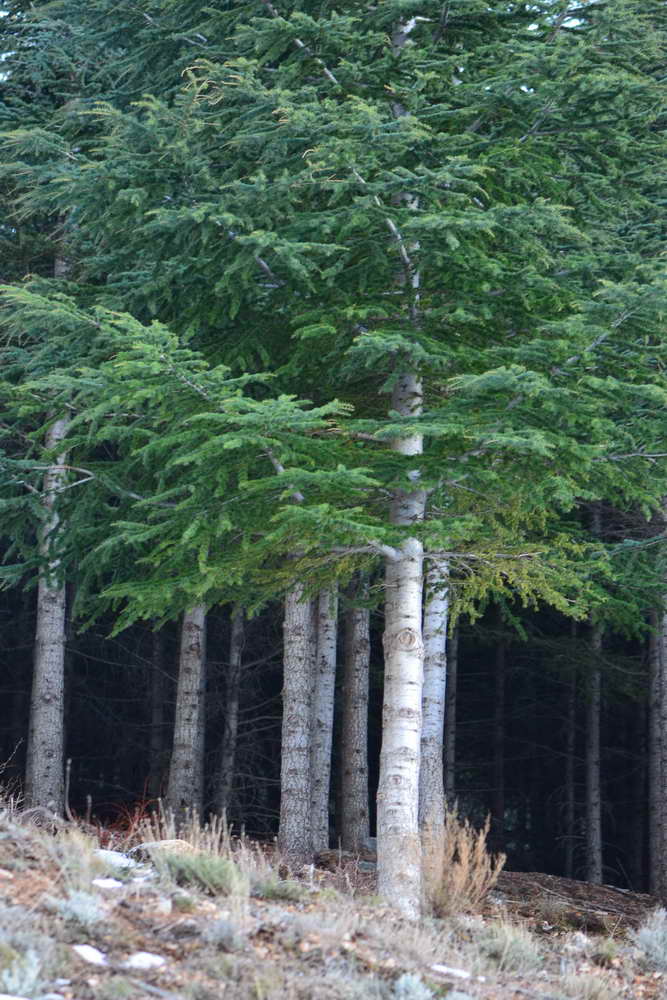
point(196, 914)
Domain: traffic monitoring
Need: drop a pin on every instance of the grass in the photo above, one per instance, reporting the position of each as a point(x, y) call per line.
point(458, 870)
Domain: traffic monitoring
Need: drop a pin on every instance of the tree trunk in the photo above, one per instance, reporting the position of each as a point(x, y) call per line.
point(593, 791)
point(498, 799)
point(399, 851)
point(185, 791)
point(450, 718)
point(354, 736)
point(655, 806)
point(295, 830)
point(230, 734)
point(159, 687)
point(431, 771)
point(45, 751)
point(570, 759)
point(323, 715)
point(662, 662)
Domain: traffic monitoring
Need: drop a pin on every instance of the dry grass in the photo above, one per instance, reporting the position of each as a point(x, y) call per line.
point(458, 870)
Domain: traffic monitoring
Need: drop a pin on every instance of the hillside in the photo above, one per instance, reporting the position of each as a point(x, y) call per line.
point(208, 916)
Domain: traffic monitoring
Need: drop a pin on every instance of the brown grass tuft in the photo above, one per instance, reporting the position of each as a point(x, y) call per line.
point(458, 870)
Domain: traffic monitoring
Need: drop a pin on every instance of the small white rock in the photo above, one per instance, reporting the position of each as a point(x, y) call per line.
point(10, 996)
point(115, 859)
point(90, 954)
point(107, 883)
point(144, 960)
point(446, 970)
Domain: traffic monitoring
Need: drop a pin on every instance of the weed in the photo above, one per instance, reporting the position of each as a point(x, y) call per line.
point(652, 938)
point(409, 987)
point(510, 948)
point(212, 873)
point(580, 987)
point(80, 908)
point(458, 869)
point(272, 887)
point(223, 934)
point(605, 952)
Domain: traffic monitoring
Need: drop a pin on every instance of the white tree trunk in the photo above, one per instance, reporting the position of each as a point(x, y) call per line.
point(295, 830)
point(185, 791)
point(323, 715)
point(45, 751)
point(399, 851)
point(230, 734)
point(450, 718)
point(655, 761)
point(593, 790)
point(431, 771)
point(354, 730)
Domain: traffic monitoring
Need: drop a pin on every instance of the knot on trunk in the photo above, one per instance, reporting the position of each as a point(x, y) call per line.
point(406, 639)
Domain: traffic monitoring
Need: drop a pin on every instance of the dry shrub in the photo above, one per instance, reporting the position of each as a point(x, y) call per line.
point(457, 867)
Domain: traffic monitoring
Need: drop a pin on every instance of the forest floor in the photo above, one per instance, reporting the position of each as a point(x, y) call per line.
point(209, 918)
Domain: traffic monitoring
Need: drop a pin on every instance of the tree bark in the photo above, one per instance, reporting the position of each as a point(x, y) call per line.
point(399, 851)
point(45, 751)
point(431, 770)
point(295, 830)
point(323, 716)
point(450, 718)
point(498, 799)
point(570, 759)
point(158, 750)
point(232, 692)
point(655, 758)
point(593, 789)
point(185, 790)
point(354, 736)
point(662, 801)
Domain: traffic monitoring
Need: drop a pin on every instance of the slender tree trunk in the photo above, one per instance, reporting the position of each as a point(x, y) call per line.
point(431, 771)
point(185, 791)
point(662, 662)
point(232, 692)
point(45, 752)
point(570, 750)
point(498, 801)
point(159, 685)
point(354, 736)
point(399, 851)
point(323, 715)
point(295, 830)
point(593, 789)
point(655, 759)
point(450, 718)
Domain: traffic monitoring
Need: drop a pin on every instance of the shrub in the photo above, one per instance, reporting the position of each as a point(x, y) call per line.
point(409, 987)
point(652, 938)
point(458, 869)
point(81, 908)
point(510, 948)
point(581, 987)
point(212, 873)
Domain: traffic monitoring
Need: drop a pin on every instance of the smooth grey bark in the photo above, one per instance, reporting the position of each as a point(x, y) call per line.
point(45, 777)
point(450, 717)
point(158, 747)
point(655, 758)
point(592, 758)
point(295, 829)
point(185, 790)
point(323, 715)
point(226, 770)
point(354, 729)
point(431, 769)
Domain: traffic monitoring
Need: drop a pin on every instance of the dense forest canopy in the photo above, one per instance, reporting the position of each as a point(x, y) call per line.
point(351, 319)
